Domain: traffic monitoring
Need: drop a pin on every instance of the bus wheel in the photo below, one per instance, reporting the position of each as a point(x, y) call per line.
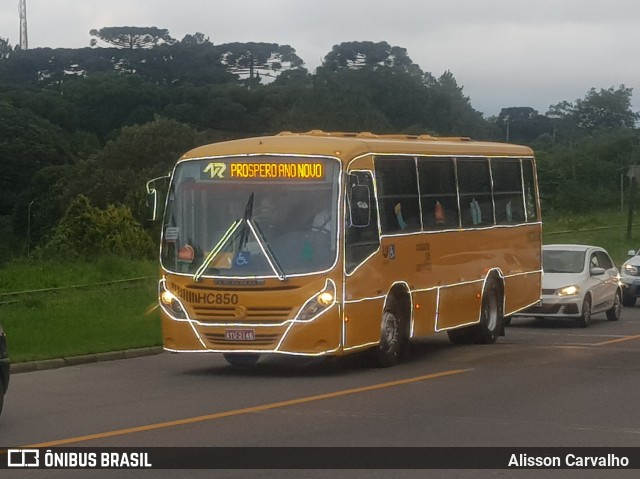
point(392, 339)
point(241, 359)
point(491, 319)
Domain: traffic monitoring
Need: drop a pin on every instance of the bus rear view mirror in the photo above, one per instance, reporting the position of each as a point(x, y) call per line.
point(153, 203)
point(360, 206)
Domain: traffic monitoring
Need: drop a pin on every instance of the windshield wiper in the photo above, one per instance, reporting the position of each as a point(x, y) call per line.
point(266, 250)
point(232, 232)
point(248, 214)
point(218, 248)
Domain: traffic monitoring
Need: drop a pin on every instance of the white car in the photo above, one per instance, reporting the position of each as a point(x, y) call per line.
point(578, 281)
point(630, 276)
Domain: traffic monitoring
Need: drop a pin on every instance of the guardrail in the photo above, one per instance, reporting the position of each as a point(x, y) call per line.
point(599, 228)
point(11, 296)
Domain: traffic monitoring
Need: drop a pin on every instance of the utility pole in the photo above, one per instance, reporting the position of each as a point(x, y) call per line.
point(29, 228)
point(22, 10)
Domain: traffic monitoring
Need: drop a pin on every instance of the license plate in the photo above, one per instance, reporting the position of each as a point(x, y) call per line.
point(239, 334)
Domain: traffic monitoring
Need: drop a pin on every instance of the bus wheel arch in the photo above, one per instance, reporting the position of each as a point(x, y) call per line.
point(492, 313)
point(491, 324)
point(394, 327)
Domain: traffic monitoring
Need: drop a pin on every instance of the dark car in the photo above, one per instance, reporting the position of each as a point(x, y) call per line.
point(4, 367)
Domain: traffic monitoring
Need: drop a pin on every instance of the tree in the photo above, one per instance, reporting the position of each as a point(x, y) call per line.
point(27, 144)
point(252, 60)
point(448, 110)
point(132, 37)
point(117, 174)
point(357, 55)
point(605, 109)
point(87, 232)
point(195, 39)
point(330, 109)
point(5, 48)
point(104, 103)
point(522, 124)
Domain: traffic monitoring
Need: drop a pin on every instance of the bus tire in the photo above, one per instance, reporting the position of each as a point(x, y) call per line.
point(491, 317)
point(241, 359)
point(491, 321)
point(393, 339)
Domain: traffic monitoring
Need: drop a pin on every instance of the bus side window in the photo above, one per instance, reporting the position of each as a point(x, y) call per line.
point(507, 190)
point(438, 193)
point(396, 179)
point(474, 184)
point(528, 176)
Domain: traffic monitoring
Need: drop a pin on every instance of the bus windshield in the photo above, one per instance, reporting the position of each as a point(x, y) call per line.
point(252, 217)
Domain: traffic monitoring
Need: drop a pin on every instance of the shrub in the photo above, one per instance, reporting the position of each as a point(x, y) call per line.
point(87, 232)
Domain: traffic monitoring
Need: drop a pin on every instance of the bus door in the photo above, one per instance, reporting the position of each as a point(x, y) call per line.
point(364, 298)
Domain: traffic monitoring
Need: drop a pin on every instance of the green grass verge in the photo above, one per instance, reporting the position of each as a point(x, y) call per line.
point(78, 321)
point(607, 229)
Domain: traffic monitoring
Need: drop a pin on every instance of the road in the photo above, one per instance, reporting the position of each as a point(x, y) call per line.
point(543, 384)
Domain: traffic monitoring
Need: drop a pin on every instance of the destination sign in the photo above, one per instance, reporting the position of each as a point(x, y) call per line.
point(266, 171)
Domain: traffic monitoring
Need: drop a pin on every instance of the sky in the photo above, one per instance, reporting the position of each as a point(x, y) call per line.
point(503, 53)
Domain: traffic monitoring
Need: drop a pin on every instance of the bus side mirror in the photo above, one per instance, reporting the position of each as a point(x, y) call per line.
point(152, 205)
point(152, 198)
point(360, 206)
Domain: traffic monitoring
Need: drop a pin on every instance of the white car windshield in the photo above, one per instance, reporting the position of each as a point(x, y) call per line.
point(562, 261)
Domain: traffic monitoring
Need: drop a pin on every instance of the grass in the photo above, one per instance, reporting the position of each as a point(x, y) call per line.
point(112, 317)
point(607, 229)
point(32, 275)
point(77, 321)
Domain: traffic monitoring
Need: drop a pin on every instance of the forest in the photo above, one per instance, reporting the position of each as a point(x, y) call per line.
point(82, 130)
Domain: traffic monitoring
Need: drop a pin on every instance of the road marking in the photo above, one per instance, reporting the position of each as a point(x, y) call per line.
point(248, 410)
point(618, 340)
point(591, 345)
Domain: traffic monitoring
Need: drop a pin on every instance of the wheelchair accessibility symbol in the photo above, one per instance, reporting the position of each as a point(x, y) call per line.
point(243, 258)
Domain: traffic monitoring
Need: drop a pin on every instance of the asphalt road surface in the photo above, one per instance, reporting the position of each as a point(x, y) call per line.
point(544, 384)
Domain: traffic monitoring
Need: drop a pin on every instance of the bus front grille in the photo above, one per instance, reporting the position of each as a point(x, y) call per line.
point(270, 315)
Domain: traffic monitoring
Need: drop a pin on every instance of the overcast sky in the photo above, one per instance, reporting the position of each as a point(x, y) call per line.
point(502, 52)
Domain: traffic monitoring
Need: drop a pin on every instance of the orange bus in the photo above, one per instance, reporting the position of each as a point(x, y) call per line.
point(330, 243)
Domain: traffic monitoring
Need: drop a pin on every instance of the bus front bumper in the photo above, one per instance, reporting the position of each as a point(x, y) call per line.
point(319, 336)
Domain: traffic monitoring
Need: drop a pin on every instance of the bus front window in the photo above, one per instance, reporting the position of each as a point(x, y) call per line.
point(235, 218)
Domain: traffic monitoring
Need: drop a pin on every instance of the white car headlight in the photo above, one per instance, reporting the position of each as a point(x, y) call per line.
point(568, 291)
point(631, 270)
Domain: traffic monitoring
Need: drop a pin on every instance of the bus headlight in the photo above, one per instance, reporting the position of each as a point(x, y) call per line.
point(170, 303)
point(318, 303)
